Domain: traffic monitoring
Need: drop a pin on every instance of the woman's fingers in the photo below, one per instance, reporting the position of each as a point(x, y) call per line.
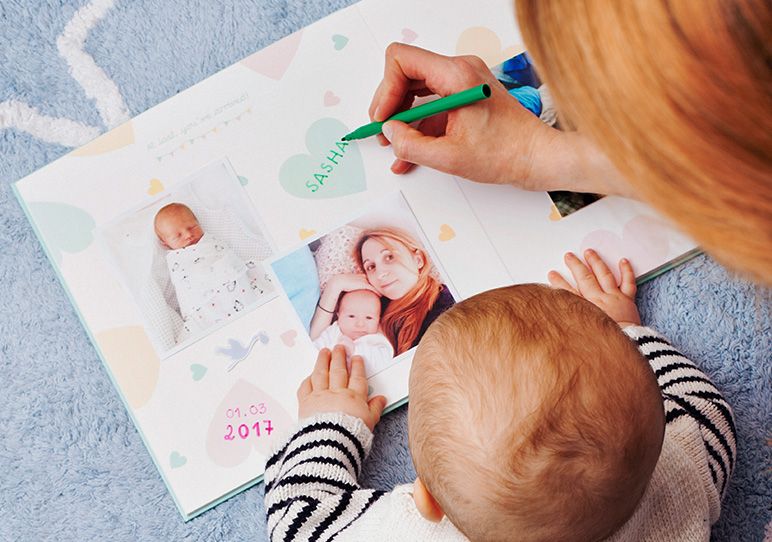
point(584, 277)
point(602, 273)
point(628, 286)
point(320, 377)
point(357, 380)
point(338, 372)
point(557, 281)
point(409, 68)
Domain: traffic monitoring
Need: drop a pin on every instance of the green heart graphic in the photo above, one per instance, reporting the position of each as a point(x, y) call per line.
point(176, 460)
point(345, 173)
point(64, 228)
point(340, 41)
point(197, 371)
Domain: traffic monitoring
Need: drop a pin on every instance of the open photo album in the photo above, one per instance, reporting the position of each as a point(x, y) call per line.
point(213, 244)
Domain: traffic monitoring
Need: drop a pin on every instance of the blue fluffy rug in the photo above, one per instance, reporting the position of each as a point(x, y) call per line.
point(72, 465)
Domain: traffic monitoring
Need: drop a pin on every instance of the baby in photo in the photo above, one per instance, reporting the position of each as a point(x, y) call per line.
point(357, 328)
point(211, 283)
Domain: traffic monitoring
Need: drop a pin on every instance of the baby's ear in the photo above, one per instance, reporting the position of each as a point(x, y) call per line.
point(427, 506)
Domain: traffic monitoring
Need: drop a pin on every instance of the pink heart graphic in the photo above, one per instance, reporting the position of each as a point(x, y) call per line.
point(247, 419)
point(645, 242)
point(408, 36)
point(288, 337)
point(331, 99)
point(274, 60)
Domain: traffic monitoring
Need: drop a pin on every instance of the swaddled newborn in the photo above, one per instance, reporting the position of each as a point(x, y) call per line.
point(212, 284)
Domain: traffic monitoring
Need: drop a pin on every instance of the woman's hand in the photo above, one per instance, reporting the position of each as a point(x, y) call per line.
point(330, 388)
point(596, 283)
point(492, 141)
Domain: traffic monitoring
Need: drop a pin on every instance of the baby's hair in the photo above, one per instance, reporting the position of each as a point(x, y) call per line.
point(171, 208)
point(531, 412)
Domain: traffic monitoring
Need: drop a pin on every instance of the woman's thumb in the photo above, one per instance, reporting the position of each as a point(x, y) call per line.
point(413, 146)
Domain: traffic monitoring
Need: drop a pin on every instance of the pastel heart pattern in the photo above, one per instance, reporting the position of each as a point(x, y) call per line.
point(177, 460)
point(330, 99)
point(645, 242)
point(408, 35)
point(347, 176)
point(274, 60)
point(485, 43)
point(339, 41)
point(156, 187)
point(446, 233)
point(115, 139)
point(231, 446)
point(243, 181)
point(64, 228)
point(288, 337)
point(197, 371)
point(132, 360)
point(305, 234)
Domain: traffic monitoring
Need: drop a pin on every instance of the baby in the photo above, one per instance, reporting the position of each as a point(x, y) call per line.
point(211, 283)
point(357, 329)
point(533, 416)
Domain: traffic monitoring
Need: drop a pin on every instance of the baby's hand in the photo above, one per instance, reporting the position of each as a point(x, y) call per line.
point(348, 344)
point(330, 388)
point(597, 284)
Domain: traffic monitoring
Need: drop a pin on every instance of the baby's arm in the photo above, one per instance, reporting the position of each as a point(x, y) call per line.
point(311, 489)
point(687, 392)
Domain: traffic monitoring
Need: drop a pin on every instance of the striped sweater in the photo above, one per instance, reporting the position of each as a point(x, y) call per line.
point(311, 489)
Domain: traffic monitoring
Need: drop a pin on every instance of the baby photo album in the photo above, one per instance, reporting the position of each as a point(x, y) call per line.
point(213, 244)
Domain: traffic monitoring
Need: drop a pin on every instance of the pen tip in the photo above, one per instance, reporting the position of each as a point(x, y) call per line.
point(344, 138)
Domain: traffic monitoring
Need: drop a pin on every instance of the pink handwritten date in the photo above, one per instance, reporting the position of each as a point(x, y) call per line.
point(257, 430)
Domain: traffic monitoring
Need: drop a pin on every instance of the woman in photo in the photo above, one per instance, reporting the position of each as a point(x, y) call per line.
point(399, 270)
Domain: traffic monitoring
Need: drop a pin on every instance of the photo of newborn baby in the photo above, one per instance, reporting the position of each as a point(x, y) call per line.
point(211, 283)
point(193, 258)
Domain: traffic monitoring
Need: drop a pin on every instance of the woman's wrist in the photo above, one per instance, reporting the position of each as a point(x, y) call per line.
point(569, 161)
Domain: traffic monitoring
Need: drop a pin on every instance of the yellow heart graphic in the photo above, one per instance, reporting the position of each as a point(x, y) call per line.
point(156, 186)
point(446, 233)
point(485, 43)
point(305, 234)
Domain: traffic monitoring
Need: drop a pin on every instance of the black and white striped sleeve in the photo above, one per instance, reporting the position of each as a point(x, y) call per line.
point(311, 489)
point(689, 394)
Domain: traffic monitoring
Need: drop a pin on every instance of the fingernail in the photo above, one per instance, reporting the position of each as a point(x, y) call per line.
point(387, 130)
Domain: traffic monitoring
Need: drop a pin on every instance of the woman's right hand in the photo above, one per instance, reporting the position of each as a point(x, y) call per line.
point(494, 141)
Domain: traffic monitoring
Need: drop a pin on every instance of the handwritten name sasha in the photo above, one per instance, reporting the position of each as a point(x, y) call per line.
point(327, 167)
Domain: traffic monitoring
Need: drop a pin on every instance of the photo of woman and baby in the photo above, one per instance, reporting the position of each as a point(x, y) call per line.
point(370, 286)
point(192, 258)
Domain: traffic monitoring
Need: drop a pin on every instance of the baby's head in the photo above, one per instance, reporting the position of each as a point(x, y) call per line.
point(359, 313)
point(177, 227)
point(532, 413)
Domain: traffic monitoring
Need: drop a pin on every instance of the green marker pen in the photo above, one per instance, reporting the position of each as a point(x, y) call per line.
point(454, 101)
